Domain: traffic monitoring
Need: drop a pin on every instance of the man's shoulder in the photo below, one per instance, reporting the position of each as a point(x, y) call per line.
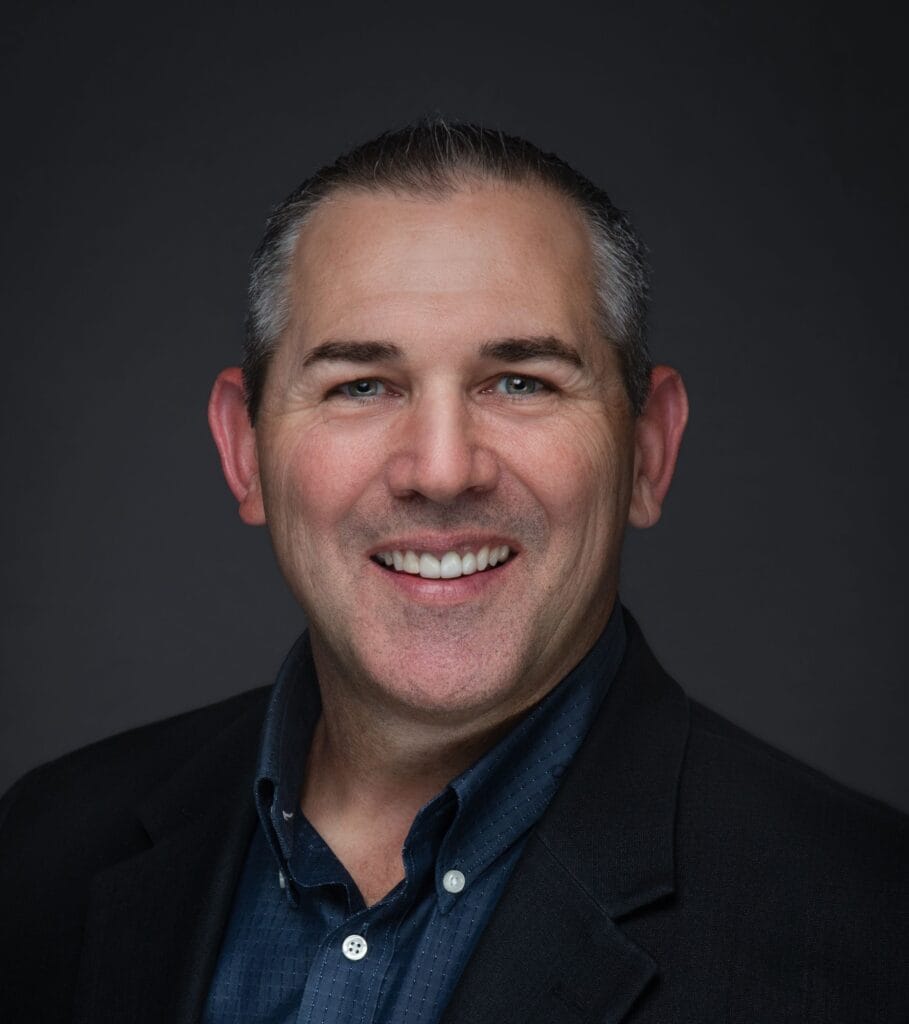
point(783, 894)
point(68, 822)
point(121, 769)
point(746, 793)
point(784, 817)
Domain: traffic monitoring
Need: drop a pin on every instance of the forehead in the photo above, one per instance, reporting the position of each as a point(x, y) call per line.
point(499, 259)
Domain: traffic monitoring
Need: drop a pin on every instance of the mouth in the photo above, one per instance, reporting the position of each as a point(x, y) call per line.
point(451, 565)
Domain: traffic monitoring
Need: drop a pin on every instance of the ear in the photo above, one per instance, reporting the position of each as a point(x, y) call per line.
point(658, 435)
point(236, 440)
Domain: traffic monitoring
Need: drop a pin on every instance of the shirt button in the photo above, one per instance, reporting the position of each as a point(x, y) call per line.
point(354, 947)
point(282, 881)
point(453, 881)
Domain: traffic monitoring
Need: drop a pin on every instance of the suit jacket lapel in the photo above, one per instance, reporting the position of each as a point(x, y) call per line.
point(553, 950)
point(155, 919)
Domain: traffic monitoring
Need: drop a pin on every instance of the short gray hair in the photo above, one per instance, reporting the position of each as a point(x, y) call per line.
point(435, 158)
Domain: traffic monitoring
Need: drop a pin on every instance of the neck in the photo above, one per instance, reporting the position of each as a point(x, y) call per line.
point(365, 760)
point(367, 776)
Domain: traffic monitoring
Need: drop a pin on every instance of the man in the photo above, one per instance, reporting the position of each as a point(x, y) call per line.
point(472, 795)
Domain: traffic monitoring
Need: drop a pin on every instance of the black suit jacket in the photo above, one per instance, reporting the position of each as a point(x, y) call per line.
point(685, 871)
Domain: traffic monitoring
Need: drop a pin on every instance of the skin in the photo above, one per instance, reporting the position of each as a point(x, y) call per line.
point(452, 439)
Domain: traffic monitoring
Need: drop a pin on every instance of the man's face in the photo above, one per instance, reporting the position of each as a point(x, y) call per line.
point(440, 389)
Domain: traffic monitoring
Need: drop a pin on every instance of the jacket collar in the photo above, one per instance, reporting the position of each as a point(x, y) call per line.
point(612, 824)
point(554, 949)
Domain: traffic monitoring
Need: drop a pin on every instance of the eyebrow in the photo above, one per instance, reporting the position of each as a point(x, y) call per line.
point(506, 350)
point(517, 350)
point(352, 352)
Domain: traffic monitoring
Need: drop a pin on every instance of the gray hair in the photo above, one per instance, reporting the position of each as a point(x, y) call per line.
point(435, 158)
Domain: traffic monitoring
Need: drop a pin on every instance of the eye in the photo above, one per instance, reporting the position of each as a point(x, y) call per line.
point(516, 386)
point(366, 388)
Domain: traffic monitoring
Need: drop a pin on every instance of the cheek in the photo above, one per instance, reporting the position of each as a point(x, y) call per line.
point(579, 472)
point(313, 480)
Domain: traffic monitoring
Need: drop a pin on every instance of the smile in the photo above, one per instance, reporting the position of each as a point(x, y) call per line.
point(449, 567)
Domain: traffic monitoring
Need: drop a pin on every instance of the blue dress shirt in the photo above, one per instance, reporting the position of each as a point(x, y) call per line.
point(301, 945)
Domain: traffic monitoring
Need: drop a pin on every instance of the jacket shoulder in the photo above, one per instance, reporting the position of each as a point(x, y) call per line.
point(120, 769)
point(789, 886)
point(756, 819)
point(777, 787)
point(68, 821)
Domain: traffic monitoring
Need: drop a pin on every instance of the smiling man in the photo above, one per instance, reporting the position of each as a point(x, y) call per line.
point(472, 795)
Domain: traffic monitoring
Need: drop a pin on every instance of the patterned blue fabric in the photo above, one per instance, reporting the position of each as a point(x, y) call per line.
point(282, 959)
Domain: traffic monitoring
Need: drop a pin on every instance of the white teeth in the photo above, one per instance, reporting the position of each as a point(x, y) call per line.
point(430, 567)
point(449, 567)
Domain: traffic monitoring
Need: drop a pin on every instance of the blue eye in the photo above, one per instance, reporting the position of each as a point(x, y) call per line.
point(366, 388)
point(516, 386)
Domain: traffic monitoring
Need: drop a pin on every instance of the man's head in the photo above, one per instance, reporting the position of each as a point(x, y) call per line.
point(441, 389)
point(434, 159)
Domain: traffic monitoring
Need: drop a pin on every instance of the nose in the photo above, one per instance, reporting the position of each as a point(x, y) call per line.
point(439, 452)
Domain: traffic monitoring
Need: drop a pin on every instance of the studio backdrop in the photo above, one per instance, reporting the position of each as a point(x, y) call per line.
point(760, 150)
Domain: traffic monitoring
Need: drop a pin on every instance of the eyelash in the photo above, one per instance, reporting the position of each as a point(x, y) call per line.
point(538, 386)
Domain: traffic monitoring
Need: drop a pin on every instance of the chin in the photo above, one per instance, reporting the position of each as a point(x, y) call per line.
point(455, 690)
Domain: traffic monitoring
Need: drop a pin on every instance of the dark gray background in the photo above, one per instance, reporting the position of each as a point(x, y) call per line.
point(761, 150)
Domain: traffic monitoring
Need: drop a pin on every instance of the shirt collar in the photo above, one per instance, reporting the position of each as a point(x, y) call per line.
point(289, 724)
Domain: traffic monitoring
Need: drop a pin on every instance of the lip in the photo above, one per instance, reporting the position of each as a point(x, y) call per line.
point(440, 544)
point(443, 592)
